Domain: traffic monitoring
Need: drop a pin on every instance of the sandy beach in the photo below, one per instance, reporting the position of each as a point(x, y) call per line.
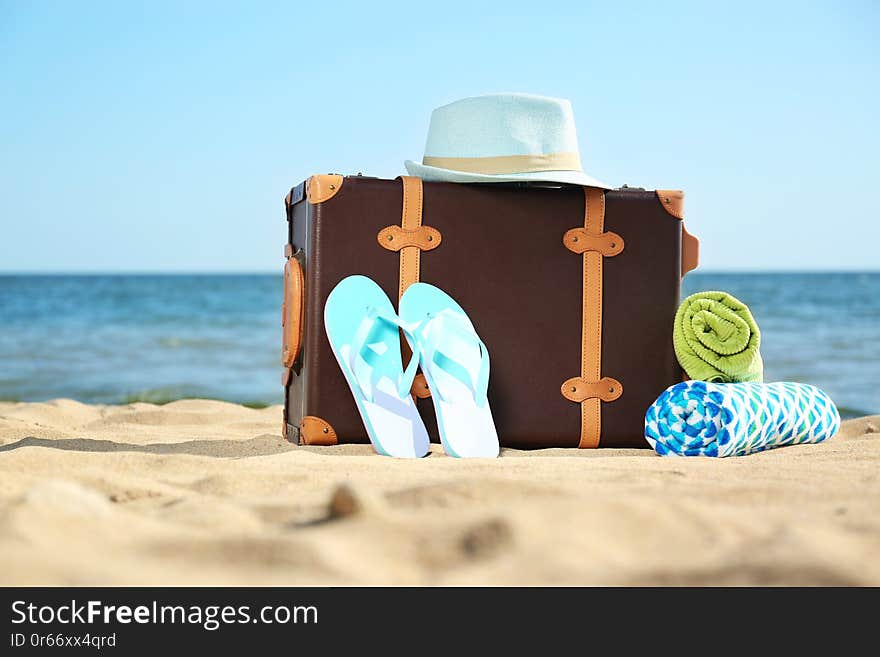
point(206, 492)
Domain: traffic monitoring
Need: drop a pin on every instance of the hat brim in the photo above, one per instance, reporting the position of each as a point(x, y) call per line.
point(437, 174)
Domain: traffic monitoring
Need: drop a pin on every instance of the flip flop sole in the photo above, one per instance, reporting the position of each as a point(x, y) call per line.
point(393, 423)
point(466, 429)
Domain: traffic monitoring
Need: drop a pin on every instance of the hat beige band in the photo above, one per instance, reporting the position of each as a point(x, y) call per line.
point(507, 163)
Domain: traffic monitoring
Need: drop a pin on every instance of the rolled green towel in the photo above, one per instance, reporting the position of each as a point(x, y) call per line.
point(716, 339)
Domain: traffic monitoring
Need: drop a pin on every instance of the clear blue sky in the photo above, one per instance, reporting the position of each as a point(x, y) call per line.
point(162, 136)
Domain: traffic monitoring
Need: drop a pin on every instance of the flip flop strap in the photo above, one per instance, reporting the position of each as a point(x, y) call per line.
point(360, 347)
point(448, 325)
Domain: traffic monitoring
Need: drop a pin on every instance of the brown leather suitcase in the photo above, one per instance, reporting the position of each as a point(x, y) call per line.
point(572, 289)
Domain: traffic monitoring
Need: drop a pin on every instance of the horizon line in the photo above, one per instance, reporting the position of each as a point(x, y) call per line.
point(267, 272)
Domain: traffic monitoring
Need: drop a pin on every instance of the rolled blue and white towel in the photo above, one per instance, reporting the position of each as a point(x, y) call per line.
point(699, 418)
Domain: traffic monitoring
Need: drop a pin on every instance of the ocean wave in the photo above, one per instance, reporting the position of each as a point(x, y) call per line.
point(174, 342)
point(161, 396)
point(847, 413)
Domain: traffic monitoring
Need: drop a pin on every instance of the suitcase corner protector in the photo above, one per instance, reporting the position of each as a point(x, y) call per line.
point(323, 187)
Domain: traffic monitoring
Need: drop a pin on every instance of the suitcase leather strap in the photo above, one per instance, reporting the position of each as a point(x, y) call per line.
point(590, 389)
point(410, 238)
point(423, 238)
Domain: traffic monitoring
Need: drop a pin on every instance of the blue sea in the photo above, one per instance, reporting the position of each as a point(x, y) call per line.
point(123, 338)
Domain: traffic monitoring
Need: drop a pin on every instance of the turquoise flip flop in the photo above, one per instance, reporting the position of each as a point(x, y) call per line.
point(455, 363)
point(362, 328)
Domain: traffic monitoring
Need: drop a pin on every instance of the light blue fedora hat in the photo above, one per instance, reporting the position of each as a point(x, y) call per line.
point(506, 137)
